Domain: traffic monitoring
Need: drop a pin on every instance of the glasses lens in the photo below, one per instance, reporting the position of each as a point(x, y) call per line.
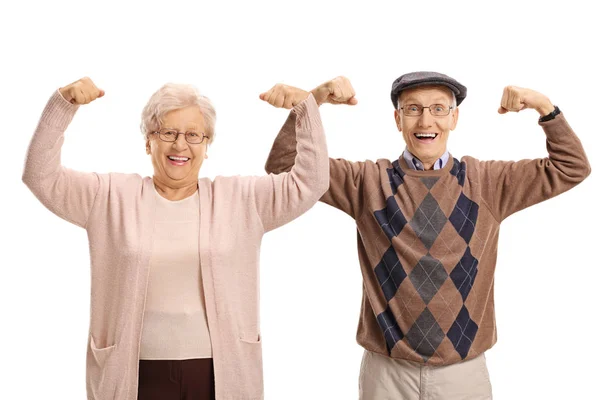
point(193, 137)
point(439, 109)
point(413, 109)
point(168, 135)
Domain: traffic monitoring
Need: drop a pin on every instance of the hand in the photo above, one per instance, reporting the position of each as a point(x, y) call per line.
point(82, 91)
point(336, 91)
point(516, 99)
point(284, 96)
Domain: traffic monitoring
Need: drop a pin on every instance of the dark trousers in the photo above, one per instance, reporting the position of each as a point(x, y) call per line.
point(192, 379)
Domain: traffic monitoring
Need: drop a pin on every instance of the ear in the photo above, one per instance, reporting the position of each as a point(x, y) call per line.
point(148, 146)
point(454, 119)
point(398, 119)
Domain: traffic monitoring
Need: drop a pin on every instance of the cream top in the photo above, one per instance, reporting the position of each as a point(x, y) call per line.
point(175, 325)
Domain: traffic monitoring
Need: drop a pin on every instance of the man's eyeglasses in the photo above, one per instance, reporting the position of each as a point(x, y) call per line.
point(171, 135)
point(415, 110)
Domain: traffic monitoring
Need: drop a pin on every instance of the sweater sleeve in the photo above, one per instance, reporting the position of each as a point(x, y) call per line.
point(284, 196)
point(345, 177)
point(510, 186)
point(67, 193)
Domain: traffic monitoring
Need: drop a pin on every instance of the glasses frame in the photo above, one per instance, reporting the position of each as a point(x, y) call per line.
point(177, 133)
point(450, 108)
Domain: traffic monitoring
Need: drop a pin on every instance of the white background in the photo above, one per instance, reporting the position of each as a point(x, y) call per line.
point(548, 274)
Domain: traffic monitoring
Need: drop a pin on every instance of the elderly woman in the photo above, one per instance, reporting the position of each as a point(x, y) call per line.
point(174, 258)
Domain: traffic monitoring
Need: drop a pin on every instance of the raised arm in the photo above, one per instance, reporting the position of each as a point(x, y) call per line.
point(345, 177)
point(282, 197)
point(512, 186)
point(67, 193)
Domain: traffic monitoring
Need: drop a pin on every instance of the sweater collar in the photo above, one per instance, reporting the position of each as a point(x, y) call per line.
point(414, 163)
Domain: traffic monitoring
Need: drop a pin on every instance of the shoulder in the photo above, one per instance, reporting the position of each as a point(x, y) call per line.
point(470, 160)
point(122, 180)
point(365, 165)
point(477, 166)
point(230, 185)
point(467, 163)
point(121, 185)
point(384, 163)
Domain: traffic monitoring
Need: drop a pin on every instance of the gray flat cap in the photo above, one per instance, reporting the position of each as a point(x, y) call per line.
point(426, 78)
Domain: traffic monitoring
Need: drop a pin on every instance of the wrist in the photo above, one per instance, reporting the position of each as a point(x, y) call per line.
point(550, 116)
point(322, 92)
point(65, 94)
point(545, 108)
point(315, 93)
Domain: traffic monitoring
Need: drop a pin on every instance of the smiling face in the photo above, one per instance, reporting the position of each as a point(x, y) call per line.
point(177, 164)
point(426, 135)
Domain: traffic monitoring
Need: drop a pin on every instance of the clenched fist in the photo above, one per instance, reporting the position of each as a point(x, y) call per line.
point(284, 96)
point(516, 99)
point(82, 91)
point(336, 91)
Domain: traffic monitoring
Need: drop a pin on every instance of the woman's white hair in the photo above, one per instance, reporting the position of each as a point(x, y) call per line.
point(175, 96)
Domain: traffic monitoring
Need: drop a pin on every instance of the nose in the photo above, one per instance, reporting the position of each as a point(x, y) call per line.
point(426, 119)
point(180, 144)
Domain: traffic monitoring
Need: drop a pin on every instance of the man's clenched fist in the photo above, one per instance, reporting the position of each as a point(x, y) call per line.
point(516, 99)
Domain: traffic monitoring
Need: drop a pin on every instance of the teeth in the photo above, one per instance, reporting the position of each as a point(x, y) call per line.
point(178, 158)
point(425, 135)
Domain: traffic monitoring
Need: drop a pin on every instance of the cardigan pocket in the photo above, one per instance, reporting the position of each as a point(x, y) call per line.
point(101, 371)
point(102, 353)
point(249, 350)
point(250, 338)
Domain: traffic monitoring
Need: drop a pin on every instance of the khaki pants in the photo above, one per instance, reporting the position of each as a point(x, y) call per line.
point(384, 378)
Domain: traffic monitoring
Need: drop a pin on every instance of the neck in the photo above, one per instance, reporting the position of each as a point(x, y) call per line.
point(175, 192)
point(427, 165)
point(428, 162)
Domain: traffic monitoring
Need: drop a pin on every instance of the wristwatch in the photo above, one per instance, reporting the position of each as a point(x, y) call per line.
point(550, 116)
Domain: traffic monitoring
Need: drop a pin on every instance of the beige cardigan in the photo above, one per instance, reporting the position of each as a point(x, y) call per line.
point(117, 211)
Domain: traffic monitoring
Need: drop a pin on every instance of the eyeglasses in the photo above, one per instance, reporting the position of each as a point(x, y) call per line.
point(171, 135)
point(437, 110)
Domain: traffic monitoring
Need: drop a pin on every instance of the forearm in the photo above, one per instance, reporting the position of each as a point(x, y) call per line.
point(67, 193)
point(284, 196)
point(310, 161)
point(283, 152)
point(43, 154)
point(565, 150)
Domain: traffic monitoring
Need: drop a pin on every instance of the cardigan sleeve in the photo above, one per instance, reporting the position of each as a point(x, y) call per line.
point(284, 196)
point(67, 193)
point(510, 186)
point(345, 177)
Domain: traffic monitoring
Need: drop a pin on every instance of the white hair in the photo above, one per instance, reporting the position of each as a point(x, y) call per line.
point(174, 96)
point(453, 105)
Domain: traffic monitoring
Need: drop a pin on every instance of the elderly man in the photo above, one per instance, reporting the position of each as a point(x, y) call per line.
point(428, 228)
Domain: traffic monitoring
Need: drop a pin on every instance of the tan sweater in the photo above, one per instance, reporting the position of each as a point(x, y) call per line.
point(427, 240)
point(175, 325)
point(118, 212)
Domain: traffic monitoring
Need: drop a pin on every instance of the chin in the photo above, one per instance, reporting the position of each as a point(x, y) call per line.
point(176, 177)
